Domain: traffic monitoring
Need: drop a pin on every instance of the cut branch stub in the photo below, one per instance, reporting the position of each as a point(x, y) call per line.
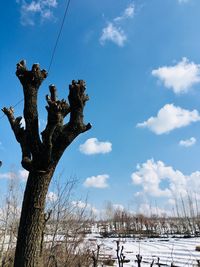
point(52, 90)
point(33, 77)
point(57, 109)
point(77, 99)
point(77, 96)
point(31, 81)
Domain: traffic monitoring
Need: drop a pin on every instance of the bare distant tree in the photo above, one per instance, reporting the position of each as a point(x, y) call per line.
point(65, 230)
point(9, 219)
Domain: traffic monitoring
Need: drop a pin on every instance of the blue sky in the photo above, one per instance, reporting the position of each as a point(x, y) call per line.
point(141, 62)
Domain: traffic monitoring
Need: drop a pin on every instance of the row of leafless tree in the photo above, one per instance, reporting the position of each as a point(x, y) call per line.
point(65, 226)
point(120, 222)
point(67, 222)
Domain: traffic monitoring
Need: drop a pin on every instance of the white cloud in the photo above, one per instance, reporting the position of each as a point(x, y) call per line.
point(33, 7)
point(32, 10)
point(169, 118)
point(52, 197)
point(149, 175)
point(84, 205)
point(181, 77)
point(159, 180)
point(117, 207)
point(114, 34)
point(113, 31)
point(99, 181)
point(50, 3)
point(93, 146)
point(172, 201)
point(148, 210)
point(21, 174)
point(188, 142)
point(80, 204)
point(128, 13)
point(7, 175)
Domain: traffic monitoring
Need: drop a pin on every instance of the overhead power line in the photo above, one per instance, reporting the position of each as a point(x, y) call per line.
point(59, 34)
point(54, 48)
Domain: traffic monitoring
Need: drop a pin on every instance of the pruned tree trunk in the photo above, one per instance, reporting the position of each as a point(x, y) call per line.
point(40, 156)
point(32, 220)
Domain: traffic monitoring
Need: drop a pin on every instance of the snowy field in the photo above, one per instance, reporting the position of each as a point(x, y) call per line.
point(179, 251)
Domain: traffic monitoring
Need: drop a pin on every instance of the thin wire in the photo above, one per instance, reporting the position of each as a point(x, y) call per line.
point(54, 48)
point(2, 116)
point(18, 103)
point(14, 106)
point(59, 34)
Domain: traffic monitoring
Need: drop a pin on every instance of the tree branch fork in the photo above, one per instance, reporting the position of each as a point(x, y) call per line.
point(43, 152)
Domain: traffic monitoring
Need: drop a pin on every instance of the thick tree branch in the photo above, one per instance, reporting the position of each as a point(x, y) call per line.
point(77, 99)
point(34, 77)
point(31, 81)
point(20, 135)
point(57, 110)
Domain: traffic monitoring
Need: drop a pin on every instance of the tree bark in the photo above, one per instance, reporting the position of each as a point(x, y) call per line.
point(32, 220)
point(40, 156)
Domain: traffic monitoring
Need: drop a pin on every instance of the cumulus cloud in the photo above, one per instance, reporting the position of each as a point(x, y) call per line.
point(21, 174)
point(169, 118)
point(159, 180)
point(180, 77)
point(99, 181)
point(32, 10)
point(188, 142)
point(149, 175)
point(93, 146)
point(113, 30)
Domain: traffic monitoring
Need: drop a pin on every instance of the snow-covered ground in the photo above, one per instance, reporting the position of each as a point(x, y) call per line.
point(179, 251)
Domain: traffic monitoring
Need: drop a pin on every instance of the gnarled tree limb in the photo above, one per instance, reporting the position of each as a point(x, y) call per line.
point(20, 135)
point(31, 81)
point(57, 136)
point(57, 110)
point(77, 99)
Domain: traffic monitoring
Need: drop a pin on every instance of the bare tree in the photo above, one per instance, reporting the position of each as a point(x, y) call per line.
point(9, 218)
point(65, 230)
point(40, 156)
